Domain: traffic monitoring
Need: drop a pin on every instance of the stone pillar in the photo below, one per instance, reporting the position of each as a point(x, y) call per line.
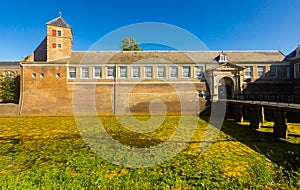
point(280, 127)
point(262, 118)
point(238, 113)
point(255, 117)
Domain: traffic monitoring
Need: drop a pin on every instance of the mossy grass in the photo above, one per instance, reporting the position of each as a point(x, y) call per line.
point(49, 153)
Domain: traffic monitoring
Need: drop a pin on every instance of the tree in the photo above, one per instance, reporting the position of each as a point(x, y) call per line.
point(8, 87)
point(130, 44)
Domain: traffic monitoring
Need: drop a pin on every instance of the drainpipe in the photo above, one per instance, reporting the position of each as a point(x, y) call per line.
point(22, 94)
point(115, 89)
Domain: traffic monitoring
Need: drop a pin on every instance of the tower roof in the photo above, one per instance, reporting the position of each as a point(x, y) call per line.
point(59, 21)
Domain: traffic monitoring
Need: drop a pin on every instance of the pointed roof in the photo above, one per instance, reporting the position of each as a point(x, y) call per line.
point(294, 54)
point(59, 21)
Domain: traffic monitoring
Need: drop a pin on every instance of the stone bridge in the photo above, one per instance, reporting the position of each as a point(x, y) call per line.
point(235, 109)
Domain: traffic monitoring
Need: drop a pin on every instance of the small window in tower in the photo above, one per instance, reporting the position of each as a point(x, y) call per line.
point(59, 46)
point(54, 45)
point(41, 75)
point(57, 75)
point(58, 32)
point(53, 32)
point(33, 75)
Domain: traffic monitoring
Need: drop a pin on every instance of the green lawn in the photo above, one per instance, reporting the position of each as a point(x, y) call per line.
point(49, 153)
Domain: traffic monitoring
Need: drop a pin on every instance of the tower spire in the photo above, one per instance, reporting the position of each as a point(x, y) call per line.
point(60, 14)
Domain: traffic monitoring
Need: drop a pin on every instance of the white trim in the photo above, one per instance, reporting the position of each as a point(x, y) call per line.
point(68, 71)
point(49, 64)
point(151, 72)
point(81, 77)
point(264, 71)
point(201, 71)
point(170, 72)
point(183, 72)
point(94, 71)
point(114, 70)
point(139, 82)
point(251, 70)
point(139, 69)
point(119, 72)
point(165, 72)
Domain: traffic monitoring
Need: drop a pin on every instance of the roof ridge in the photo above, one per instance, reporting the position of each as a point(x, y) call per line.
point(59, 21)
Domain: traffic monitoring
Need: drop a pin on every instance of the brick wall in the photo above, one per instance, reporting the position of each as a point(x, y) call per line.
point(54, 95)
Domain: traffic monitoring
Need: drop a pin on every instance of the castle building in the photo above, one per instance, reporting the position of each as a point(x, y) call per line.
point(55, 78)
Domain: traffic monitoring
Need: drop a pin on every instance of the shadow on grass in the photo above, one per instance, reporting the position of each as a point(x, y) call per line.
point(279, 151)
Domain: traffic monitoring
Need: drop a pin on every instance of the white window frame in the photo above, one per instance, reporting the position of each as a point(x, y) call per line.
point(264, 72)
point(163, 71)
point(94, 72)
point(69, 72)
point(198, 72)
point(251, 72)
point(114, 71)
point(138, 69)
point(145, 72)
point(184, 72)
point(170, 71)
point(57, 32)
point(82, 75)
point(126, 72)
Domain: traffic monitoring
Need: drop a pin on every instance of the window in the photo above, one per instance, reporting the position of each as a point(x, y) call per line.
point(173, 72)
point(53, 32)
point(53, 45)
point(261, 71)
point(85, 73)
point(33, 75)
point(97, 72)
point(110, 72)
point(58, 32)
point(297, 70)
point(58, 46)
point(135, 72)
point(41, 75)
point(57, 75)
point(186, 72)
point(123, 71)
point(285, 71)
point(72, 72)
point(273, 71)
point(161, 72)
point(198, 72)
point(248, 71)
point(148, 71)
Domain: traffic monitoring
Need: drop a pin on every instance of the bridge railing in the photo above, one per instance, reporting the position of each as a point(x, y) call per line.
point(270, 98)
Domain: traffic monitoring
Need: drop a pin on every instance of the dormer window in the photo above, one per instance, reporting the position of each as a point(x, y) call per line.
point(58, 32)
point(223, 58)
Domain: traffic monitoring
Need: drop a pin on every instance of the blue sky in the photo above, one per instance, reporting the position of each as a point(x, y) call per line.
point(221, 25)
